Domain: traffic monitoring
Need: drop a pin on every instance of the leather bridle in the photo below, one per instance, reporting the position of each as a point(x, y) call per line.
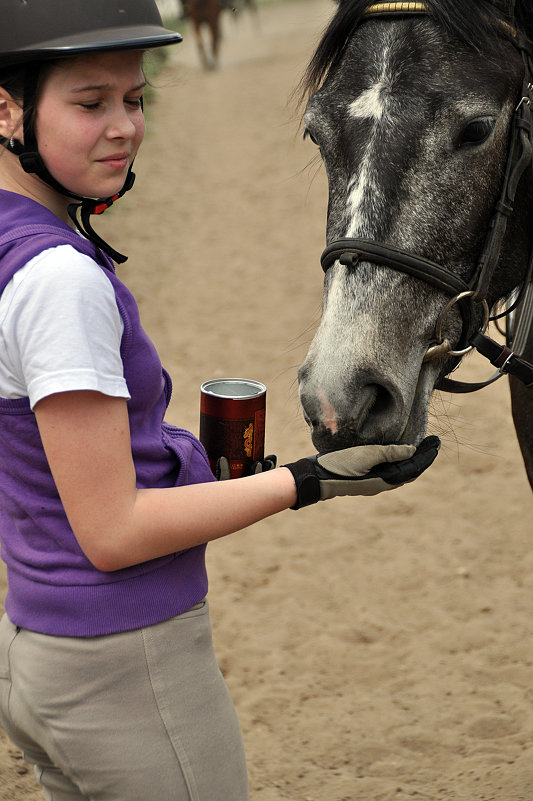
point(469, 296)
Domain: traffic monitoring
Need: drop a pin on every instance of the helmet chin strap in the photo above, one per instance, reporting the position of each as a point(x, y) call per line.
point(88, 206)
point(32, 162)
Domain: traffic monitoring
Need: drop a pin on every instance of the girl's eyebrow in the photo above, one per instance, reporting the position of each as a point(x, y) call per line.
point(105, 87)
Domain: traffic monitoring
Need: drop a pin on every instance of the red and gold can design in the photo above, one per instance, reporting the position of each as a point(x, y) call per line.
point(232, 422)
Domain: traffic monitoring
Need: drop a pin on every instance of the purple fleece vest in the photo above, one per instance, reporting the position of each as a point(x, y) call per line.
point(52, 586)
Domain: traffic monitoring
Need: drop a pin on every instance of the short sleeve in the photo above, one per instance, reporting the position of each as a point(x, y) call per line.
point(61, 329)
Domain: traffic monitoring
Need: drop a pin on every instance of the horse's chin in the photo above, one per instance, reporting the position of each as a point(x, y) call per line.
point(324, 440)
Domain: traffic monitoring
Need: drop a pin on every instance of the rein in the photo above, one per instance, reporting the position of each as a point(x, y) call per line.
point(466, 295)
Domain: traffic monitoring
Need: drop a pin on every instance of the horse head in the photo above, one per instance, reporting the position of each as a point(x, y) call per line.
point(411, 106)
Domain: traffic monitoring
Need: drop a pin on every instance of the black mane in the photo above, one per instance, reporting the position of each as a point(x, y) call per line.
point(472, 21)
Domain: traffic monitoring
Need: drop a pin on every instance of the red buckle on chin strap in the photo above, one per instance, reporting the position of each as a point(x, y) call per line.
point(101, 207)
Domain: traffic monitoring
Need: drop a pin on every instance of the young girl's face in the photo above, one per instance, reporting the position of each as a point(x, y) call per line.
point(89, 121)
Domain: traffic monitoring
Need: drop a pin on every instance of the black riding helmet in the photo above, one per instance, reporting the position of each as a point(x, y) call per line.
point(35, 31)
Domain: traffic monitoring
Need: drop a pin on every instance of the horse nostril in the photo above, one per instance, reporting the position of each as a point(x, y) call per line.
point(383, 401)
point(376, 414)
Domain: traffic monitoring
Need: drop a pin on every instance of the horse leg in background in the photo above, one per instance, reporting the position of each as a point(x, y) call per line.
point(522, 406)
point(200, 44)
point(206, 13)
point(215, 40)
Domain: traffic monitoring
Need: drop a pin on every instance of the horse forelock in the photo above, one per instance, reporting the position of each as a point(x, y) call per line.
point(473, 22)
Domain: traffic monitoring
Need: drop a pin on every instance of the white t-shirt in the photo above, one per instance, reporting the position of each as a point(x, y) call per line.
point(60, 329)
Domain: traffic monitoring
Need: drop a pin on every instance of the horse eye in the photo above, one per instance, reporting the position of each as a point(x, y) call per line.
point(307, 133)
point(476, 132)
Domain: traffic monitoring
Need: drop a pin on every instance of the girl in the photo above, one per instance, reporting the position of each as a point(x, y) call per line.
point(108, 681)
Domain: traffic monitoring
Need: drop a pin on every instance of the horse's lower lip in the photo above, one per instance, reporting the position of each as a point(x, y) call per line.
point(324, 440)
point(346, 437)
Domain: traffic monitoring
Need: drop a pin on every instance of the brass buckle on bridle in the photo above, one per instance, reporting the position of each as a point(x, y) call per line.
point(442, 346)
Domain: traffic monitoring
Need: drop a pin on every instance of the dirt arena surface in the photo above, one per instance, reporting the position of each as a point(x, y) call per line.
point(376, 649)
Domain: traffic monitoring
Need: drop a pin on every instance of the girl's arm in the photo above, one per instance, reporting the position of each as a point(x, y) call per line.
point(86, 438)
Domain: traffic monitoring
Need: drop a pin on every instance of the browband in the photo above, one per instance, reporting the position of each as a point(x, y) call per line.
point(397, 8)
point(408, 7)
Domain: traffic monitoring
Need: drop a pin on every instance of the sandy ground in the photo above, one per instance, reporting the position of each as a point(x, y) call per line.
point(376, 649)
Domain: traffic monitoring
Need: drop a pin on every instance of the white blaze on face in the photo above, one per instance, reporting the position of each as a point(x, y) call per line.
point(333, 350)
point(370, 105)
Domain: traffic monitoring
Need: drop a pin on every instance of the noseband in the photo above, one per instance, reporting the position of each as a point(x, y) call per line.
point(470, 297)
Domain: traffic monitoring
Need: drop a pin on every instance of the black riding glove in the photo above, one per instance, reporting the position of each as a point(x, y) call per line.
point(362, 470)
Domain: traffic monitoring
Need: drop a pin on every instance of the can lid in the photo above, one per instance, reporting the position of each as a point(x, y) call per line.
point(234, 388)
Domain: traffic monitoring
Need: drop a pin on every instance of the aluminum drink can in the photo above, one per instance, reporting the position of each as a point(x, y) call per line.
point(232, 422)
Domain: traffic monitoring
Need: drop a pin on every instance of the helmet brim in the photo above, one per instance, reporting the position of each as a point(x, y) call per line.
point(106, 39)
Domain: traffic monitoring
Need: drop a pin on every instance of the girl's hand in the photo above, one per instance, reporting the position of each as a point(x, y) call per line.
point(363, 470)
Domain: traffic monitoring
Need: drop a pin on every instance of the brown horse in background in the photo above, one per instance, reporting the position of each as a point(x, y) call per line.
point(206, 13)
